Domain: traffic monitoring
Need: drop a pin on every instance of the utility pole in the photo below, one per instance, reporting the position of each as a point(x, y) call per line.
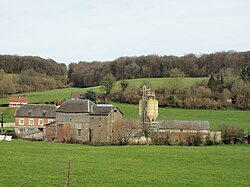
point(144, 112)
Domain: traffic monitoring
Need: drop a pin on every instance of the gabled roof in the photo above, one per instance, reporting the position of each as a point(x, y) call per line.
point(86, 106)
point(184, 124)
point(36, 110)
point(76, 106)
point(18, 99)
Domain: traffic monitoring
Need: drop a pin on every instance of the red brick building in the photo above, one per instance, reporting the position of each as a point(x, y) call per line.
point(32, 118)
point(17, 101)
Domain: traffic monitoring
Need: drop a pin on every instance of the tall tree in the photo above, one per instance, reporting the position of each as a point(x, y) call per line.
point(211, 82)
point(124, 85)
point(108, 83)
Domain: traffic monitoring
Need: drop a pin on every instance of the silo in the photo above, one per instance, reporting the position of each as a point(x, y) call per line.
point(140, 107)
point(152, 109)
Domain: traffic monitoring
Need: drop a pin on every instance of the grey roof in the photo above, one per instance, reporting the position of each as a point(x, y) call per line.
point(184, 124)
point(36, 110)
point(76, 106)
point(85, 106)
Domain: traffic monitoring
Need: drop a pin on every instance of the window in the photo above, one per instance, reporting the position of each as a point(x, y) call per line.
point(40, 122)
point(21, 121)
point(22, 130)
point(31, 121)
point(50, 120)
point(31, 129)
point(79, 132)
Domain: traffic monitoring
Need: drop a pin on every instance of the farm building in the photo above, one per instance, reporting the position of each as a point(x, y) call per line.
point(17, 101)
point(84, 121)
point(32, 118)
point(177, 130)
point(180, 129)
point(78, 95)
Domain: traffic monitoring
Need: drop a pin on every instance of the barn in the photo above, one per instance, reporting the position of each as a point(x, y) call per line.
point(82, 120)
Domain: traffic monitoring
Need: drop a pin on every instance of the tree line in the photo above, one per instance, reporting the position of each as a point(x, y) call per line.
point(85, 74)
point(219, 92)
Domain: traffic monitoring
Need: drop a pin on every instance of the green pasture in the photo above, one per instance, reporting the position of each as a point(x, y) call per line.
point(164, 82)
point(8, 114)
point(46, 164)
point(62, 94)
point(216, 118)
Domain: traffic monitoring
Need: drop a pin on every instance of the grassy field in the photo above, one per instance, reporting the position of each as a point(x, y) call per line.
point(8, 114)
point(163, 82)
point(62, 94)
point(217, 118)
point(46, 163)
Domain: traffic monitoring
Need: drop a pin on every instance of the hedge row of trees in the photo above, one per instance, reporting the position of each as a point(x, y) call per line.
point(85, 74)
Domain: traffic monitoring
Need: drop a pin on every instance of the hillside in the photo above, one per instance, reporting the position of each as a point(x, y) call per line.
point(217, 118)
point(62, 94)
point(17, 64)
point(86, 74)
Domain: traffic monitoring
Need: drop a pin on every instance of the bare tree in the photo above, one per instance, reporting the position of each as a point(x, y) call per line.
point(122, 131)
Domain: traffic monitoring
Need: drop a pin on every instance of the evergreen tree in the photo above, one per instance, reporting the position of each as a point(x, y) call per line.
point(211, 82)
point(91, 95)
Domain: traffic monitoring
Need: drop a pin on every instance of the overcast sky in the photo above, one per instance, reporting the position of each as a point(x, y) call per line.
point(87, 30)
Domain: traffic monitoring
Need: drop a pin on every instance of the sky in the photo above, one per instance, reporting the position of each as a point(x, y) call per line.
point(102, 30)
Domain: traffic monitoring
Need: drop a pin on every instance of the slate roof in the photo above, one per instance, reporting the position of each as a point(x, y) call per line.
point(36, 110)
point(85, 106)
point(76, 106)
point(184, 124)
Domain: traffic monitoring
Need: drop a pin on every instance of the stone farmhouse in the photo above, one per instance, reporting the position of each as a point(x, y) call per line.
point(83, 121)
point(17, 101)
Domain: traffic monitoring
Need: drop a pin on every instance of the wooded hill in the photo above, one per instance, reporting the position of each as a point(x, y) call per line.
point(231, 63)
point(17, 64)
point(30, 73)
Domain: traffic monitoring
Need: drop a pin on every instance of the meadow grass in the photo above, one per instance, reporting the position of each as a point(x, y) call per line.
point(216, 118)
point(62, 94)
point(163, 82)
point(8, 114)
point(46, 163)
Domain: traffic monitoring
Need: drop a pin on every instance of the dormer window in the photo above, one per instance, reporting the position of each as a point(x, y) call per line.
point(44, 112)
point(29, 112)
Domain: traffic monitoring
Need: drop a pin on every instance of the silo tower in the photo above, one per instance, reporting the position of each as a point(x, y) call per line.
point(148, 109)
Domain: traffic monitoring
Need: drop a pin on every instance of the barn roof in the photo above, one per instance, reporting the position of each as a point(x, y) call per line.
point(36, 110)
point(86, 106)
point(184, 124)
point(76, 106)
